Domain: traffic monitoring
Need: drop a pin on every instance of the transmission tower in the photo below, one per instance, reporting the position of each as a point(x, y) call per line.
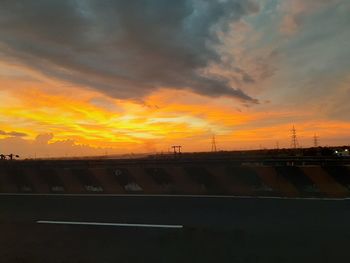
point(177, 149)
point(294, 142)
point(316, 140)
point(213, 144)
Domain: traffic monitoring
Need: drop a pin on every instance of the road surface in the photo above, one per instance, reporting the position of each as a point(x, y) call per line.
point(172, 229)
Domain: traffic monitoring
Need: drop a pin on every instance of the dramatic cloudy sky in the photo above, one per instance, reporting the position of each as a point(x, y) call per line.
point(85, 77)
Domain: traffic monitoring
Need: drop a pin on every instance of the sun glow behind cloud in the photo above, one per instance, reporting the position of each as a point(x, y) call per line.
point(167, 117)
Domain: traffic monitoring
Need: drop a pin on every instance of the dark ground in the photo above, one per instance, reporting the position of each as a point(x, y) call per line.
point(216, 230)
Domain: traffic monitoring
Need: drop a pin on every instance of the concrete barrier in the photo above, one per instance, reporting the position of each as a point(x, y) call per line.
point(108, 180)
point(245, 179)
point(279, 184)
point(325, 182)
point(303, 183)
point(162, 178)
point(341, 174)
point(182, 183)
point(36, 180)
point(51, 179)
point(89, 182)
point(147, 184)
point(201, 176)
point(6, 184)
point(193, 178)
point(225, 181)
point(72, 184)
point(18, 176)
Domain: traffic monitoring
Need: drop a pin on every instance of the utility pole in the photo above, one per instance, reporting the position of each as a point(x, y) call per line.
point(294, 142)
point(316, 140)
point(213, 144)
point(277, 145)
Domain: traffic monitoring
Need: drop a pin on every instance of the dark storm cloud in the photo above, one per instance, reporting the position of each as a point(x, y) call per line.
point(123, 48)
point(13, 134)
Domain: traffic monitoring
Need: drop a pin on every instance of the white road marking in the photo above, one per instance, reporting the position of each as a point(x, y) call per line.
point(108, 224)
point(178, 196)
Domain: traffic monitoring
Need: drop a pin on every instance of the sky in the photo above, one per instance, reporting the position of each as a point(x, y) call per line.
point(96, 77)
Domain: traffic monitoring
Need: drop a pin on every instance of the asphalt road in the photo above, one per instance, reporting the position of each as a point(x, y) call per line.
point(212, 229)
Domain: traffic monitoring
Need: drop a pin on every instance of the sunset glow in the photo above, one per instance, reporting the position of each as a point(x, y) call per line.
point(281, 69)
